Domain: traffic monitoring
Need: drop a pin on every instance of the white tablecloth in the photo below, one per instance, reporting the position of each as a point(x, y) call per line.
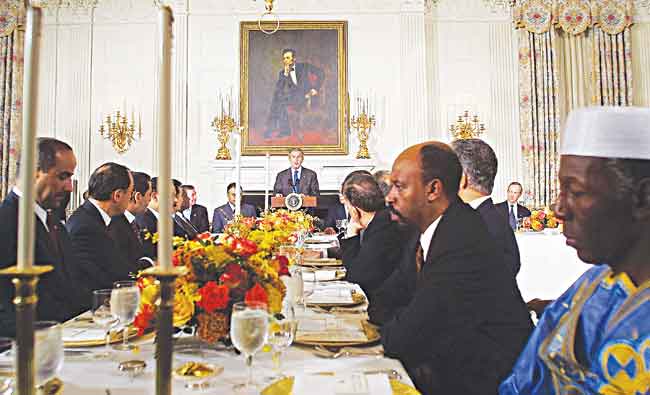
point(548, 265)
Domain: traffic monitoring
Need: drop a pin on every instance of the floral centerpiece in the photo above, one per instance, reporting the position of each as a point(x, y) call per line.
point(540, 220)
point(242, 265)
point(220, 273)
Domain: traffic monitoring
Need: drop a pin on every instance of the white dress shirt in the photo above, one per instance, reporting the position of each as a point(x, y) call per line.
point(104, 214)
point(154, 212)
point(512, 207)
point(40, 212)
point(477, 202)
point(427, 236)
point(292, 73)
point(129, 217)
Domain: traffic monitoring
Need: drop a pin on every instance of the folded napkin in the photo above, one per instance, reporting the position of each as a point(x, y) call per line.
point(347, 384)
point(322, 275)
point(331, 295)
point(331, 329)
point(75, 334)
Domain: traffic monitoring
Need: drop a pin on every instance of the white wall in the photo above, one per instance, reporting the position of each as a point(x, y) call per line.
point(424, 69)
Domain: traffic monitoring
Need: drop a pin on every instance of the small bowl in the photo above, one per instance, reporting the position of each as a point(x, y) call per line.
point(132, 368)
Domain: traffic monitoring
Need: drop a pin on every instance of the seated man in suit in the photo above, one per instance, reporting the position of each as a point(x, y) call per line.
point(510, 209)
point(57, 300)
point(223, 214)
point(451, 311)
point(148, 221)
point(340, 211)
point(196, 214)
point(182, 227)
point(125, 229)
point(100, 261)
point(479, 170)
point(296, 179)
point(372, 244)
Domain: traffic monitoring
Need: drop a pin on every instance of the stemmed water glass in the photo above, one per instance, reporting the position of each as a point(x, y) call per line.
point(282, 331)
point(341, 225)
point(248, 332)
point(103, 316)
point(125, 301)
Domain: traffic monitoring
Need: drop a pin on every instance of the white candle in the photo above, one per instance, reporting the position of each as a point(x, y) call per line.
point(25, 253)
point(164, 138)
point(267, 169)
point(236, 139)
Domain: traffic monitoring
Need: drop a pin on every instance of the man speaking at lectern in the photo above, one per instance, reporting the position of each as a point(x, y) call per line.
point(296, 179)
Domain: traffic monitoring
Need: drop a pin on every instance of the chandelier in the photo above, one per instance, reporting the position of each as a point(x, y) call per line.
point(466, 127)
point(120, 131)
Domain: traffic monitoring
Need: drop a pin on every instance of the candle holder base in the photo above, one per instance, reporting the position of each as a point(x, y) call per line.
point(25, 300)
point(164, 325)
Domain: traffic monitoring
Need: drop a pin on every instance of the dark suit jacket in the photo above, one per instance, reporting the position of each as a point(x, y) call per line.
point(199, 218)
point(128, 242)
point(335, 213)
point(308, 184)
point(503, 208)
point(60, 295)
point(100, 261)
point(183, 228)
point(148, 225)
point(502, 234)
point(461, 318)
point(370, 260)
point(223, 214)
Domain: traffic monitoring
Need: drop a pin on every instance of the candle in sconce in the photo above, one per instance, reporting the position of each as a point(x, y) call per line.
point(236, 139)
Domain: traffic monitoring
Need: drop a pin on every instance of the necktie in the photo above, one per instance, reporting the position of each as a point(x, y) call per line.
point(512, 220)
point(419, 258)
point(136, 230)
point(296, 182)
point(53, 232)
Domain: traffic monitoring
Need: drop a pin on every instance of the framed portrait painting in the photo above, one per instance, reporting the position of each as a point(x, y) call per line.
point(294, 87)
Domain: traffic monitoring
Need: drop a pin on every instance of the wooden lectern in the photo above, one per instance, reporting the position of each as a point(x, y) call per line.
point(307, 201)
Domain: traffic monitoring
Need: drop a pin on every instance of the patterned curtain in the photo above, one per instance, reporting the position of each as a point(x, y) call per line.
point(572, 53)
point(11, 91)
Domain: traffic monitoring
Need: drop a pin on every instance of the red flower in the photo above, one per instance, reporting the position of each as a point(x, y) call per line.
point(213, 297)
point(204, 236)
point(282, 265)
point(144, 318)
point(233, 276)
point(256, 294)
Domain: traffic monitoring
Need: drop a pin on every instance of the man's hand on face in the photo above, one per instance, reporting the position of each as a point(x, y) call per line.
point(354, 226)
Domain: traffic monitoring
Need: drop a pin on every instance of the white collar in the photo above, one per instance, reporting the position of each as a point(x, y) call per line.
point(129, 216)
point(104, 214)
point(427, 236)
point(299, 170)
point(154, 212)
point(477, 202)
point(232, 206)
point(188, 212)
point(38, 210)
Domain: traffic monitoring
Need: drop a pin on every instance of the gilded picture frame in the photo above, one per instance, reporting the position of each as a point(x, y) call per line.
point(293, 87)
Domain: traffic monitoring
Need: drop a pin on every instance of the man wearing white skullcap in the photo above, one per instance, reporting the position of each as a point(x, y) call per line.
point(595, 339)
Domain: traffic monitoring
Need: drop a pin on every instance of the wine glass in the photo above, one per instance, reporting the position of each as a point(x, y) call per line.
point(341, 225)
point(248, 332)
point(125, 301)
point(103, 316)
point(282, 331)
point(6, 365)
point(48, 351)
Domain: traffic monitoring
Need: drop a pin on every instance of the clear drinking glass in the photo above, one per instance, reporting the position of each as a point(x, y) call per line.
point(48, 351)
point(125, 301)
point(103, 316)
point(282, 331)
point(7, 370)
point(341, 225)
point(248, 332)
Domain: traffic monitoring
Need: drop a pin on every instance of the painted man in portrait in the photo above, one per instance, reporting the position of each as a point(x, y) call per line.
point(296, 92)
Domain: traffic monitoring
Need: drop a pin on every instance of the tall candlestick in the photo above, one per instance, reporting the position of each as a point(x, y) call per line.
point(164, 186)
point(236, 138)
point(25, 253)
point(267, 180)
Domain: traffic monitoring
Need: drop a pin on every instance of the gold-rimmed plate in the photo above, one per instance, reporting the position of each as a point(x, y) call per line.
point(116, 337)
point(321, 262)
point(371, 331)
point(357, 299)
point(285, 386)
point(310, 275)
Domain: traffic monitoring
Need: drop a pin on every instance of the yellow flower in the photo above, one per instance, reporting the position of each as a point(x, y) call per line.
point(150, 293)
point(183, 309)
point(275, 296)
